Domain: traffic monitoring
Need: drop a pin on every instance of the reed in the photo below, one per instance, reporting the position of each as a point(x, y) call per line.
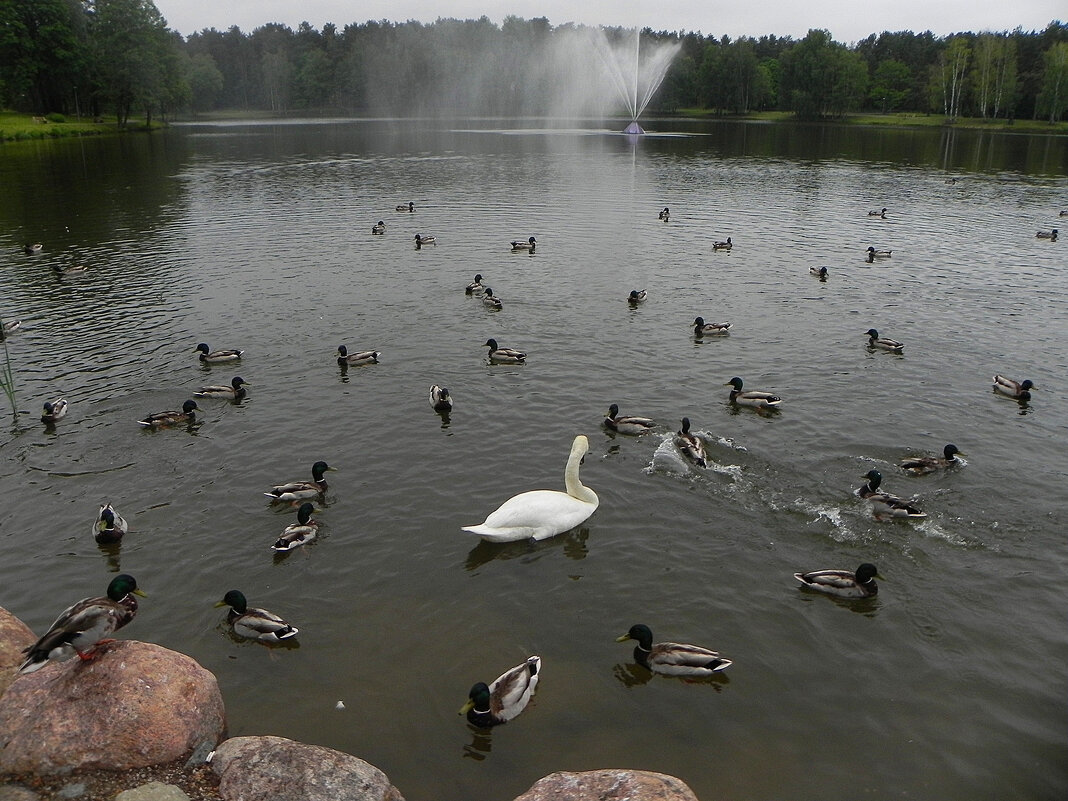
point(7, 377)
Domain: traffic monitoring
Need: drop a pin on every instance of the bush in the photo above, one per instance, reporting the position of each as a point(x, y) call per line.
point(54, 117)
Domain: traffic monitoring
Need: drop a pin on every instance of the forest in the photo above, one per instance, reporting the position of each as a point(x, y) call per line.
point(91, 58)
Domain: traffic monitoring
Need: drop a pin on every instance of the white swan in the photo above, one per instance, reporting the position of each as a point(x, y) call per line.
point(540, 514)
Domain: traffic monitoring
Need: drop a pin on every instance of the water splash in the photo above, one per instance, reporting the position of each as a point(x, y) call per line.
point(633, 74)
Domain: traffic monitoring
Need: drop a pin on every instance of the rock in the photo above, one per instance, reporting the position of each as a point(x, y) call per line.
point(602, 785)
point(153, 791)
point(277, 769)
point(16, 792)
point(134, 705)
point(14, 636)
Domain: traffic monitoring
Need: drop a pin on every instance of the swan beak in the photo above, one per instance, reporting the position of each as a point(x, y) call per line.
point(467, 707)
point(623, 638)
point(142, 593)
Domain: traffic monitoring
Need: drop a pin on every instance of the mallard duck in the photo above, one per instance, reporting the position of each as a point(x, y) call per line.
point(11, 326)
point(440, 399)
point(54, 410)
point(409, 208)
point(883, 503)
point(725, 245)
point(1021, 390)
point(761, 400)
point(109, 526)
point(703, 329)
point(378, 228)
point(877, 213)
point(1063, 213)
point(254, 623)
point(475, 287)
point(672, 658)
point(491, 301)
point(300, 533)
point(691, 445)
point(346, 359)
point(921, 465)
point(843, 583)
point(637, 296)
point(86, 625)
point(819, 272)
point(506, 697)
point(236, 390)
point(32, 248)
point(627, 425)
point(299, 490)
point(519, 244)
point(539, 514)
point(665, 214)
point(1047, 234)
point(216, 356)
point(878, 254)
point(504, 355)
point(884, 343)
point(421, 240)
point(73, 269)
point(163, 419)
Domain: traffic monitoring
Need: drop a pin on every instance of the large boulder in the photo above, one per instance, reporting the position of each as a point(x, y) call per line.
point(14, 636)
point(134, 705)
point(617, 785)
point(277, 769)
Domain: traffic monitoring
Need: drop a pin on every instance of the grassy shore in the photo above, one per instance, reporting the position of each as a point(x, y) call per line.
point(16, 127)
point(901, 120)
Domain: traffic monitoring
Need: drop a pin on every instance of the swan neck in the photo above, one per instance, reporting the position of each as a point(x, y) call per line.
point(572, 483)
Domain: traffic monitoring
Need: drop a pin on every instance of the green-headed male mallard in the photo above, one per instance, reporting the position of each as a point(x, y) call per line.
point(691, 445)
point(301, 490)
point(54, 410)
point(506, 697)
point(254, 623)
point(421, 240)
point(440, 399)
point(491, 301)
point(109, 526)
point(665, 215)
point(378, 228)
point(819, 272)
point(752, 397)
point(883, 504)
point(209, 356)
point(172, 418)
point(672, 658)
point(519, 244)
point(1021, 390)
point(300, 533)
point(357, 359)
point(637, 296)
point(504, 355)
point(1051, 235)
point(410, 207)
point(883, 343)
point(703, 329)
point(878, 254)
point(877, 213)
point(921, 465)
point(475, 287)
point(724, 245)
point(843, 583)
point(627, 424)
point(236, 390)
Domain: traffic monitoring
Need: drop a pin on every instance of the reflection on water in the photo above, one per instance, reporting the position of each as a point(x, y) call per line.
point(572, 544)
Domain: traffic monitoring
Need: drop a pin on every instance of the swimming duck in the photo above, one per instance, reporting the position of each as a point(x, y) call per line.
point(519, 244)
point(540, 514)
point(85, 626)
point(627, 425)
point(878, 254)
point(109, 526)
point(475, 287)
point(883, 503)
point(1051, 235)
point(885, 343)
point(163, 419)
point(761, 400)
point(504, 355)
point(210, 356)
point(346, 359)
point(11, 326)
point(73, 269)
point(421, 240)
point(409, 208)
point(665, 214)
point(300, 533)
point(726, 245)
point(491, 301)
point(236, 390)
point(843, 583)
point(819, 272)
point(921, 465)
point(1063, 213)
point(506, 697)
point(253, 623)
point(637, 296)
point(701, 328)
point(877, 213)
point(378, 228)
point(672, 658)
point(690, 444)
point(1021, 390)
point(440, 399)
point(32, 249)
point(54, 410)
point(300, 490)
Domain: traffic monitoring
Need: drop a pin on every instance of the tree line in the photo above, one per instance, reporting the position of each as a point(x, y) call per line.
point(95, 57)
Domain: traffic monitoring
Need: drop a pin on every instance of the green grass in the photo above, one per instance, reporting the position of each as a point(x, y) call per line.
point(902, 120)
point(15, 127)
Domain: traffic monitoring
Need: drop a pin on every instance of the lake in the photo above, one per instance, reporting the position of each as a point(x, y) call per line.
point(950, 684)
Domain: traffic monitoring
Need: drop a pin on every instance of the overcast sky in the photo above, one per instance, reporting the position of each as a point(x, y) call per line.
point(847, 20)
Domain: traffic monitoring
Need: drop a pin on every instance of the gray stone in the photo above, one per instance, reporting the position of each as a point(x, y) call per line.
point(602, 785)
point(16, 792)
point(153, 791)
point(73, 790)
point(14, 636)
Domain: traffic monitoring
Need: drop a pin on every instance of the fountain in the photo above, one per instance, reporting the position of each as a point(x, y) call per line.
point(634, 78)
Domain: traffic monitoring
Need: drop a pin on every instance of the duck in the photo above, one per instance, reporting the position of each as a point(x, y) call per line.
point(506, 697)
point(109, 526)
point(672, 658)
point(209, 356)
point(253, 623)
point(637, 296)
point(725, 245)
point(421, 240)
point(701, 328)
point(1021, 390)
point(410, 207)
point(843, 583)
point(921, 465)
point(236, 390)
point(504, 355)
point(761, 400)
point(878, 254)
point(475, 287)
point(819, 272)
point(440, 399)
point(346, 359)
point(1051, 235)
point(73, 269)
point(301, 490)
point(172, 418)
point(884, 343)
point(877, 213)
point(519, 244)
point(883, 503)
point(300, 533)
point(665, 214)
point(540, 514)
point(627, 425)
point(1063, 213)
point(32, 248)
point(54, 410)
point(378, 228)
point(691, 445)
point(85, 626)
point(10, 327)
point(491, 301)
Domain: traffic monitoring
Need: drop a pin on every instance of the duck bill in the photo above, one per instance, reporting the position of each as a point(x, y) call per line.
point(467, 707)
point(623, 638)
point(140, 592)
point(221, 603)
